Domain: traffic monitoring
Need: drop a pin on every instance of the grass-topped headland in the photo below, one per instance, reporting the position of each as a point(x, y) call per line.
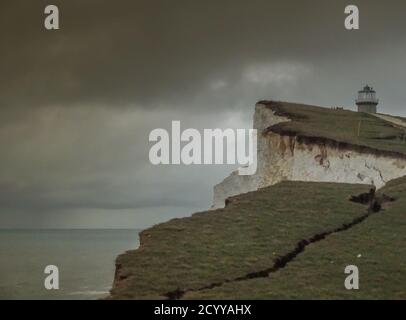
point(249, 238)
point(291, 240)
point(343, 128)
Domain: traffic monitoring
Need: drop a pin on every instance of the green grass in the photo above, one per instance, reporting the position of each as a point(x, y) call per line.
point(339, 125)
point(246, 236)
point(318, 273)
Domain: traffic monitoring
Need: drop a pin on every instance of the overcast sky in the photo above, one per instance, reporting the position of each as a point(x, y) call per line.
point(77, 104)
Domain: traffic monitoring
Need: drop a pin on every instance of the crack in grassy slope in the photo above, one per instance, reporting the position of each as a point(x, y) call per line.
point(374, 205)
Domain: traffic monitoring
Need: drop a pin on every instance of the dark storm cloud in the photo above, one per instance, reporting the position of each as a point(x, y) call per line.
point(77, 104)
point(154, 52)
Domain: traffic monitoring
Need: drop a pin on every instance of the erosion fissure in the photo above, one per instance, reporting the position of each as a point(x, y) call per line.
point(374, 205)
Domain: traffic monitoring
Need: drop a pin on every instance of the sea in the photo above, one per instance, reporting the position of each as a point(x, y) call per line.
point(85, 260)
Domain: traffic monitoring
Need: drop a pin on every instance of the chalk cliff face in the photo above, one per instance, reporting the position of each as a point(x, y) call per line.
point(285, 156)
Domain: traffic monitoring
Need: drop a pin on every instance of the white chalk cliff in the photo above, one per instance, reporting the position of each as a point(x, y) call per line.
point(288, 157)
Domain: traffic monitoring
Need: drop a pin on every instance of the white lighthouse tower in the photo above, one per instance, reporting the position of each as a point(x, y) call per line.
point(367, 100)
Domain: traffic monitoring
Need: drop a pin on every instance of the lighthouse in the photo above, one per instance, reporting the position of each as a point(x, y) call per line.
point(367, 100)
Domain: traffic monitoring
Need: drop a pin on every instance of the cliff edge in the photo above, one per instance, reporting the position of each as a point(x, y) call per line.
point(308, 143)
point(324, 197)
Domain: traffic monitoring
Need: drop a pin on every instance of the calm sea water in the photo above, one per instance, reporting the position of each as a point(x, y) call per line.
point(85, 259)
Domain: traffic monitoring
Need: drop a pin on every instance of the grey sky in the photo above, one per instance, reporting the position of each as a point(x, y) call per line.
point(77, 104)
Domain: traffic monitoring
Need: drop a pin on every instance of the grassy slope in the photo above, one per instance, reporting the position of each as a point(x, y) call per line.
point(340, 125)
point(319, 271)
point(244, 237)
